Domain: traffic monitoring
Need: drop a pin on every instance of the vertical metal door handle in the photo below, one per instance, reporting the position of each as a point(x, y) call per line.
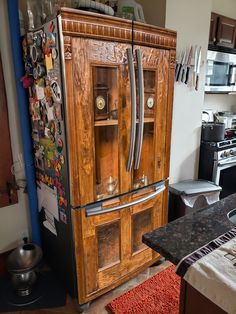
point(133, 108)
point(232, 77)
point(141, 109)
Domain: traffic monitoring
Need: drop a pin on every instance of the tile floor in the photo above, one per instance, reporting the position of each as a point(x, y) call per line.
point(98, 306)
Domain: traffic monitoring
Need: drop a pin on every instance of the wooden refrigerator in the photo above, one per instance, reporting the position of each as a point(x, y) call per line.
point(101, 109)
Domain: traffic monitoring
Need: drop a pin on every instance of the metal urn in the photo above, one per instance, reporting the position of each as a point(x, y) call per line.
point(21, 264)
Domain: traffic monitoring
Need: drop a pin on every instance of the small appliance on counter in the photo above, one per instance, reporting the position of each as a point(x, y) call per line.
point(212, 131)
point(207, 115)
point(228, 118)
point(220, 72)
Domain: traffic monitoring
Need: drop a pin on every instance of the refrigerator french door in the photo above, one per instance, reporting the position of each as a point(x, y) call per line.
point(119, 123)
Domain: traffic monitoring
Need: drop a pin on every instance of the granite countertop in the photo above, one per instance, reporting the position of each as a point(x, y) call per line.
point(188, 233)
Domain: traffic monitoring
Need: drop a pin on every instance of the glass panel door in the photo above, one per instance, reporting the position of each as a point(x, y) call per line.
point(155, 80)
point(144, 174)
point(105, 100)
point(102, 114)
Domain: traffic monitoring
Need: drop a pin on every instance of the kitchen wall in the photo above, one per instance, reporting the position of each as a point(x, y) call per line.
point(227, 9)
point(191, 20)
point(14, 220)
point(154, 11)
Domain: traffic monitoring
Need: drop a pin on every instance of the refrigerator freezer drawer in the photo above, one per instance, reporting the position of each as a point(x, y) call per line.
point(97, 209)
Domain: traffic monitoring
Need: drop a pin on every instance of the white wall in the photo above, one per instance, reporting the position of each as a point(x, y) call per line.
point(14, 220)
point(191, 20)
point(220, 102)
point(154, 11)
point(226, 7)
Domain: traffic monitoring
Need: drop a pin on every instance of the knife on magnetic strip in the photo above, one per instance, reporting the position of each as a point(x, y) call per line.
point(183, 56)
point(188, 64)
point(184, 67)
point(198, 67)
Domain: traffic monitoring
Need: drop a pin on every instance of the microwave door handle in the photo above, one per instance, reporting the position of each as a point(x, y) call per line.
point(133, 109)
point(232, 77)
point(141, 109)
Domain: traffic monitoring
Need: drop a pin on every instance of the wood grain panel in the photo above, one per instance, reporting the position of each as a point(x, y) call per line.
point(99, 26)
point(83, 111)
point(108, 241)
point(169, 105)
point(141, 224)
point(162, 127)
point(71, 121)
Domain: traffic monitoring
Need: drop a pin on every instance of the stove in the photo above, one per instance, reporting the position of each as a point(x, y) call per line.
point(222, 149)
point(217, 163)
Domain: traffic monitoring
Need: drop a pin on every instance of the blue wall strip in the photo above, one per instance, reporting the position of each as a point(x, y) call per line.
point(24, 118)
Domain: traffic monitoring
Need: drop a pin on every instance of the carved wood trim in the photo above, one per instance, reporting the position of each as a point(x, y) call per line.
point(67, 48)
point(93, 25)
point(172, 59)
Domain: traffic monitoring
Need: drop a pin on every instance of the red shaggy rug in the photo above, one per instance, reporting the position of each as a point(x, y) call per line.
point(157, 295)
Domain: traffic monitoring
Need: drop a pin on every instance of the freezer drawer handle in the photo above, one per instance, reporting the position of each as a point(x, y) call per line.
point(133, 108)
point(98, 210)
point(141, 109)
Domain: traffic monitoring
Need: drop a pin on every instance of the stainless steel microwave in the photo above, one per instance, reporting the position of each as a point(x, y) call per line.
point(220, 72)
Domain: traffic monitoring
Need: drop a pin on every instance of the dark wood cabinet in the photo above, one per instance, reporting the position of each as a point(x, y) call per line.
point(213, 26)
point(226, 33)
point(222, 31)
point(193, 302)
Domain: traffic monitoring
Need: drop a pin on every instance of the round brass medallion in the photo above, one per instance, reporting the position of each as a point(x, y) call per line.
point(150, 102)
point(100, 102)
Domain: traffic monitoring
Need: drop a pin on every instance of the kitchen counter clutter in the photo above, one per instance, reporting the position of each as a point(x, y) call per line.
point(183, 236)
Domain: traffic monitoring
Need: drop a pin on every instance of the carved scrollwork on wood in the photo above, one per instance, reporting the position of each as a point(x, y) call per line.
point(106, 52)
point(106, 28)
point(172, 59)
point(150, 57)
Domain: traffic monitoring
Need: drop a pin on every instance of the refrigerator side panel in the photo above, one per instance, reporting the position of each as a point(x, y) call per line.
point(46, 105)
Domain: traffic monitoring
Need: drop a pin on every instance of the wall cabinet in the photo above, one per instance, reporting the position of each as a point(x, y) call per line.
point(222, 31)
point(213, 25)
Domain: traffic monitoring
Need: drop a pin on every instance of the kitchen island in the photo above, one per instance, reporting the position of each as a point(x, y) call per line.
point(185, 235)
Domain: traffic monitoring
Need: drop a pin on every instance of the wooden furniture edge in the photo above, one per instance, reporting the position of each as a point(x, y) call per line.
point(193, 302)
point(93, 25)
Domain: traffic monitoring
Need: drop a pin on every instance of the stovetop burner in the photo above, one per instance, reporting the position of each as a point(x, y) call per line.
point(228, 142)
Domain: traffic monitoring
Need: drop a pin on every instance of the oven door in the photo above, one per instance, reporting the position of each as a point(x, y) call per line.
point(224, 174)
